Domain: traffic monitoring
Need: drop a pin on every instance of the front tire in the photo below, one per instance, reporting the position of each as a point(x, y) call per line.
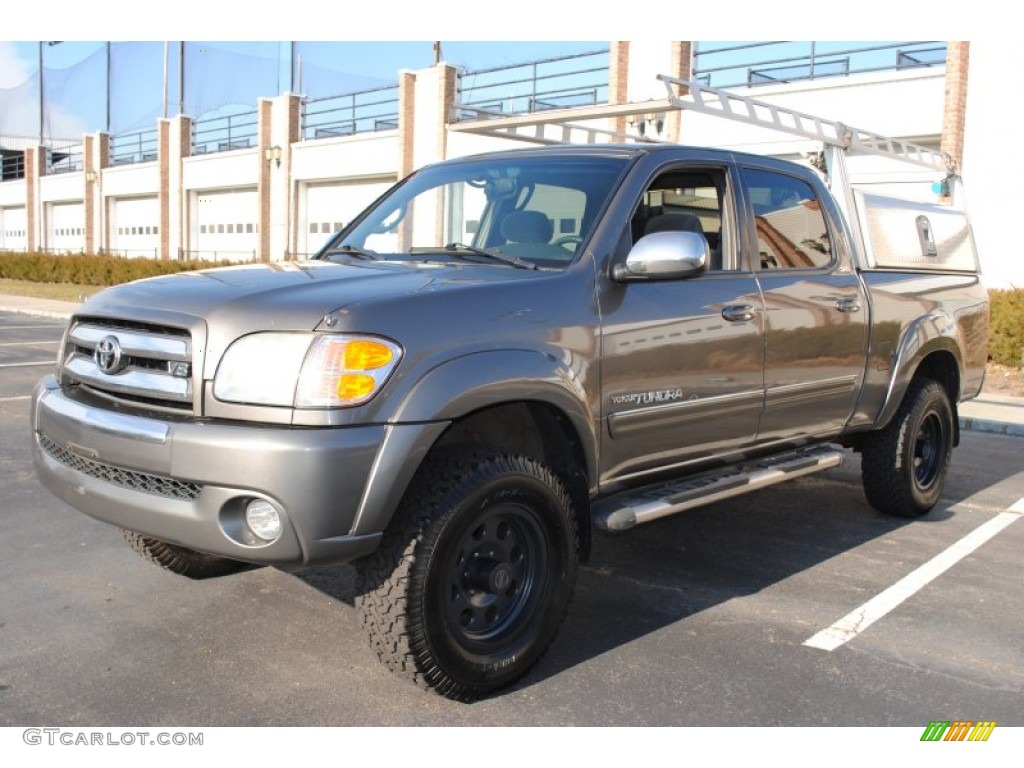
point(904, 466)
point(474, 576)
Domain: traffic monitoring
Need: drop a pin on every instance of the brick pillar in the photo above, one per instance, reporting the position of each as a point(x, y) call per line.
point(618, 80)
point(406, 122)
point(95, 157)
point(278, 127)
point(264, 113)
point(35, 169)
point(448, 81)
point(955, 112)
point(681, 66)
point(163, 143)
point(174, 142)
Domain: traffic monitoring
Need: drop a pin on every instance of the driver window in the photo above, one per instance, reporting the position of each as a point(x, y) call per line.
point(687, 200)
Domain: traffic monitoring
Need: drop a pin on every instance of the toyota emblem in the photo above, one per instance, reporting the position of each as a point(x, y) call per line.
point(108, 355)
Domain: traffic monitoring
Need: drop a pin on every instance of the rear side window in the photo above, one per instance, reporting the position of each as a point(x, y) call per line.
point(791, 228)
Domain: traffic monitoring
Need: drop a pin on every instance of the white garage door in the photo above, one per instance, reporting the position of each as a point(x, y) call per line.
point(226, 227)
point(66, 227)
point(13, 229)
point(135, 226)
point(329, 207)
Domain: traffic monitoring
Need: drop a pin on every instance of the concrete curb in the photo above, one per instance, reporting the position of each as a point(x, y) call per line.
point(37, 312)
point(970, 424)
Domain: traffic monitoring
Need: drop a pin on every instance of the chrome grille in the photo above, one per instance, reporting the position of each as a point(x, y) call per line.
point(152, 362)
point(158, 485)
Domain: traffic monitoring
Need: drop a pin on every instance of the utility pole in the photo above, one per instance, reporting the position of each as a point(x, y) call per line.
point(42, 97)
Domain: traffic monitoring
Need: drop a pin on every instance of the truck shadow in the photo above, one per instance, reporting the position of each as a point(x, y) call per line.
point(644, 580)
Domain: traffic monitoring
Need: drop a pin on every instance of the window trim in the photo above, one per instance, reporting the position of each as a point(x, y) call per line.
point(729, 211)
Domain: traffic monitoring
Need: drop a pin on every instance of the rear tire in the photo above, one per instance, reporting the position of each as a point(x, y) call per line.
point(904, 466)
point(474, 575)
point(182, 560)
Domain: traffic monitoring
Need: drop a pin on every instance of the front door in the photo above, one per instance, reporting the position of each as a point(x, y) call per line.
point(681, 359)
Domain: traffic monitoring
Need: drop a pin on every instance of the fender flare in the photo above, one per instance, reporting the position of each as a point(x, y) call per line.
point(934, 332)
point(455, 389)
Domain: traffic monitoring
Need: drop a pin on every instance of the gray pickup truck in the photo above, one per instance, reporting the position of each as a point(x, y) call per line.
point(503, 353)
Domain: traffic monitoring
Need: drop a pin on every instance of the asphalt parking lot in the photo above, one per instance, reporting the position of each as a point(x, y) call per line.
point(699, 619)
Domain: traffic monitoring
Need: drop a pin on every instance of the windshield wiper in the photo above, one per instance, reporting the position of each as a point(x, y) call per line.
point(353, 250)
point(515, 261)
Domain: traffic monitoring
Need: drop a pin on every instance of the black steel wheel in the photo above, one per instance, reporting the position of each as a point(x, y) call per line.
point(904, 466)
point(473, 579)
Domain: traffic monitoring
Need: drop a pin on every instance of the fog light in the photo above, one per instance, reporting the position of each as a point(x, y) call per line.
point(263, 519)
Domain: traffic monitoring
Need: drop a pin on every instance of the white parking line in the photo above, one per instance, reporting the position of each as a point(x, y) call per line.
point(27, 327)
point(26, 365)
point(855, 622)
point(12, 399)
point(26, 343)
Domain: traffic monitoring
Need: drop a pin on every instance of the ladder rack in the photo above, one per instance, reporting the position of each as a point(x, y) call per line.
point(719, 103)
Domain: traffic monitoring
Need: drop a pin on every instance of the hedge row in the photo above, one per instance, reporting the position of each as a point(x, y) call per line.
point(1006, 343)
point(89, 270)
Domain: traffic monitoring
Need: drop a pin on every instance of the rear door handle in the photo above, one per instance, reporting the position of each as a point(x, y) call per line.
point(848, 305)
point(738, 313)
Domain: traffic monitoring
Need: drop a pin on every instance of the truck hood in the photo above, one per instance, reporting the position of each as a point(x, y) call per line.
point(286, 296)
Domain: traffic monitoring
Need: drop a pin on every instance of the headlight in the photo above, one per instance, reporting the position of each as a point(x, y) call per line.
point(304, 370)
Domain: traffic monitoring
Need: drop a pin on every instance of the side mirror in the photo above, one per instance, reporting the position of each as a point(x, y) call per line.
point(664, 256)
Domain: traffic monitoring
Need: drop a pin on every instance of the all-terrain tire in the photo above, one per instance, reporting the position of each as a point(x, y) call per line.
point(904, 466)
point(474, 575)
point(182, 560)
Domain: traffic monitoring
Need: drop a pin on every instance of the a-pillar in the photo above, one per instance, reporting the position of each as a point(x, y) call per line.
point(174, 143)
point(95, 157)
point(278, 127)
point(35, 169)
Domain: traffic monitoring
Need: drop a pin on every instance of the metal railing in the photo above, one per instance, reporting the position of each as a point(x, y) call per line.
point(375, 109)
point(130, 148)
point(65, 159)
point(13, 166)
point(787, 61)
point(566, 81)
point(222, 134)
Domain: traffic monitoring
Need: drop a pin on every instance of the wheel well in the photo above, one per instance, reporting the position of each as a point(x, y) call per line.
point(539, 430)
point(942, 367)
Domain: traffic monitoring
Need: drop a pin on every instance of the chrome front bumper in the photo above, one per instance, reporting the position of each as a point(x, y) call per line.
point(188, 482)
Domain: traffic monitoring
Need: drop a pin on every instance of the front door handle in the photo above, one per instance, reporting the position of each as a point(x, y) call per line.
point(848, 305)
point(738, 313)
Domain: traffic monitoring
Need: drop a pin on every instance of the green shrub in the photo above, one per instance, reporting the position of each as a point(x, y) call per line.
point(89, 270)
point(1006, 342)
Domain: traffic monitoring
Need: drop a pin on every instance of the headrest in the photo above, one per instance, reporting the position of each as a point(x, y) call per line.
point(674, 222)
point(527, 227)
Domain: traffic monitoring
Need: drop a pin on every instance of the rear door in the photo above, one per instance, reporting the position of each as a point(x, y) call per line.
point(816, 313)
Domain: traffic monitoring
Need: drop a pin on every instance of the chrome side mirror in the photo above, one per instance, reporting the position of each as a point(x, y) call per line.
point(664, 256)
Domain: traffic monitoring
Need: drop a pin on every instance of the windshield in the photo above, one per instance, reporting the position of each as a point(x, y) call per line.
point(532, 212)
